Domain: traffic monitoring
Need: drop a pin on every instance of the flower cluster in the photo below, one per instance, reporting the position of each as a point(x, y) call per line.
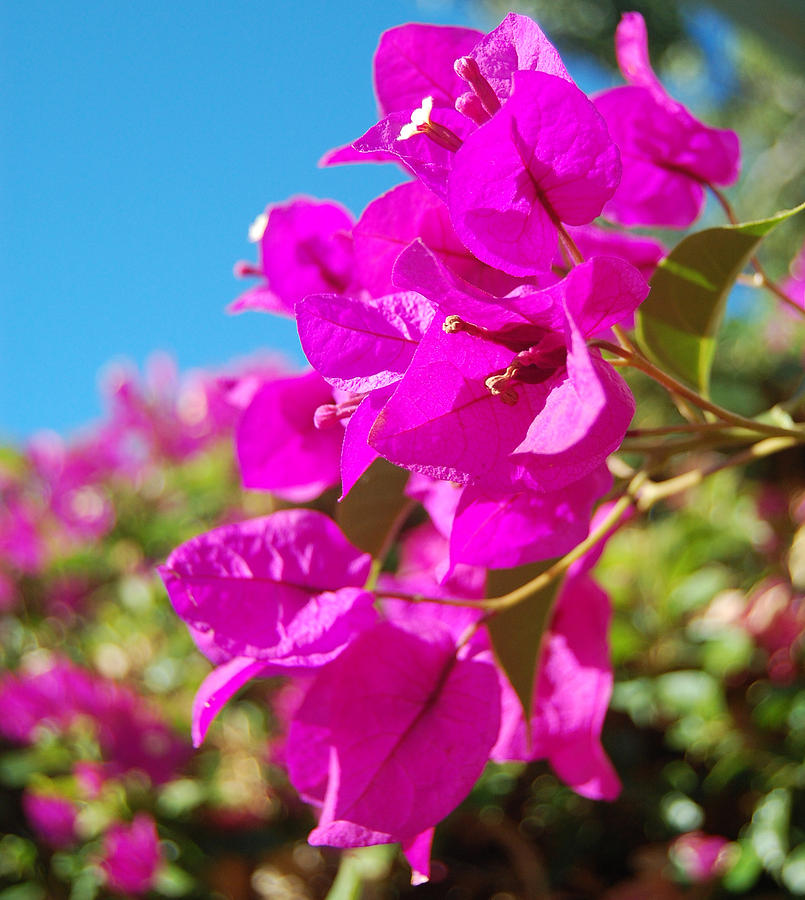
point(83, 710)
point(63, 697)
point(452, 330)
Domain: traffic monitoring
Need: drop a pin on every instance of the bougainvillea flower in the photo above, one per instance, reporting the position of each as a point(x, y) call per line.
point(701, 857)
point(392, 735)
point(667, 154)
point(163, 416)
point(50, 698)
point(505, 392)
point(131, 736)
point(411, 62)
point(281, 588)
point(305, 247)
point(573, 687)
point(299, 461)
point(131, 856)
point(507, 530)
point(426, 63)
point(51, 816)
point(545, 157)
point(72, 477)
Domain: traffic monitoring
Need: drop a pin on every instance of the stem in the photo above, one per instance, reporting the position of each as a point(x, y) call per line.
point(569, 244)
point(676, 387)
point(546, 577)
point(640, 492)
point(688, 412)
point(650, 493)
point(769, 283)
point(671, 448)
point(623, 339)
point(424, 598)
point(687, 427)
point(561, 566)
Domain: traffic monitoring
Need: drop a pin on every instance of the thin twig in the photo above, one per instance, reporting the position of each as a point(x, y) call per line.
point(766, 281)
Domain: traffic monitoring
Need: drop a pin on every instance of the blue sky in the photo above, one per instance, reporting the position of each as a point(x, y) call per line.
point(139, 142)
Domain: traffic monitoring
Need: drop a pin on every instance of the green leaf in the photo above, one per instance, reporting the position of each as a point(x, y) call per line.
point(678, 322)
point(516, 633)
point(359, 866)
point(370, 511)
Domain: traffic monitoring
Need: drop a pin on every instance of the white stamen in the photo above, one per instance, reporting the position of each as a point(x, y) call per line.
point(420, 119)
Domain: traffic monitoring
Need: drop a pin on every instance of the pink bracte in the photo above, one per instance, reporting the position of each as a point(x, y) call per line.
point(668, 155)
point(520, 152)
point(404, 711)
point(451, 331)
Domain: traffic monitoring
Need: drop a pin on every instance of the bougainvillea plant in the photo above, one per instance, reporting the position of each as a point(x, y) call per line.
point(467, 336)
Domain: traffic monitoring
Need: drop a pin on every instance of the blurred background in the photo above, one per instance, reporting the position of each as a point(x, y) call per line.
point(142, 140)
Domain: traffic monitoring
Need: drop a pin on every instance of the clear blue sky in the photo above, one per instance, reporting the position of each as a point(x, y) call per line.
point(139, 141)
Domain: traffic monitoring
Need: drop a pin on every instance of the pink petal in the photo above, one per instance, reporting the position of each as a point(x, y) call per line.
point(418, 268)
point(359, 344)
point(218, 688)
point(264, 586)
point(517, 44)
point(405, 213)
point(346, 155)
point(577, 678)
point(422, 569)
point(597, 294)
point(667, 156)
point(417, 852)
point(411, 727)
point(307, 748)
point(440, 499)
point(642, 252)
point(305, 248)
point(584, 419)
point(356, 454)
point(507, 530)
point(429, 161)
point(545, 156)
point(631, 52)
point(299, 461)
point(416, 61)
point(259, 299)
point(443, 421)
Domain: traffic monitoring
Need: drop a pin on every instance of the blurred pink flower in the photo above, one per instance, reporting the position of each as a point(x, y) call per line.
point(131, 855)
